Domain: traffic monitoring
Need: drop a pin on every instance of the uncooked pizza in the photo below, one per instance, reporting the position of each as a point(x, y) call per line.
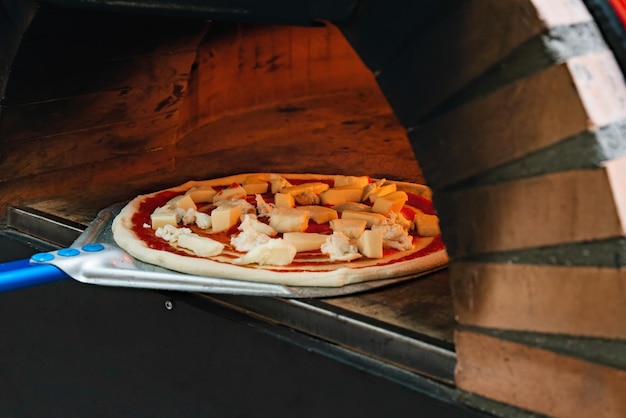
point(291, 229)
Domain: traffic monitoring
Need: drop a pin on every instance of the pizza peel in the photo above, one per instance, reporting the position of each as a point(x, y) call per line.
point(94, 258)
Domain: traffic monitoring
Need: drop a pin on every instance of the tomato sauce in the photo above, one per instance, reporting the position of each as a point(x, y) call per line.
point(147, 234)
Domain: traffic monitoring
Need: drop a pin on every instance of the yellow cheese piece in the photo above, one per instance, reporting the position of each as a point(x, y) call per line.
point(392, 202)
point(160, 218)
point(305, 241)
point(382, 191)
point(232, 192)
point(201, 194)
point(202, 246)
point(289, 220)
point(357, 181)
point(320, 214)
point(284, 200)
point(427, 225)
point(353, 228)
point(313, 187)
point(341, 194)
point(370, 243)
point(224, 217)
point(370, 217)
point(183, 201)
point(259, 187)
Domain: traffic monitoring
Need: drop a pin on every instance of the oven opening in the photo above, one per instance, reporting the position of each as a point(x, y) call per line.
point(512, 112)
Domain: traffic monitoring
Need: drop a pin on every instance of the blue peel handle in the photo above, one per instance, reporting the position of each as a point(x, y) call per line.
point(23, 273)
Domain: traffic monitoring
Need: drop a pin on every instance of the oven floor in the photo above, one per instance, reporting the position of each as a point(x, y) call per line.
point(72, 349)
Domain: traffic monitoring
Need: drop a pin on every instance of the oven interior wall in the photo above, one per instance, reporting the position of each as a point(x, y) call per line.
point(517, 124)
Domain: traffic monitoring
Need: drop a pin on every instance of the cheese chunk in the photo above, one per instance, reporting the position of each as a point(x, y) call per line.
point(275, 252)
point(224, 217)
point(353, 228)
point(339, 248)
point(369, 217)
point(289, 220)
point(259, 187)
point(203, 221)
point(382, 191)
point(370, 243)
point(427, 225)
point(232, 192)
point(313, 187)
point(183, 201)
point(278, 183)
point(358, 181)
point(284, 200)
point(163, 216)
point(341, 194)
point(202, 246)
point(392, 202)
point(353, 206)
point(201, 194)
point(305, 241)
point(320, 214)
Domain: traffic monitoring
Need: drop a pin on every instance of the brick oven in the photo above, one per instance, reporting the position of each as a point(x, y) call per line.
point(513, 111)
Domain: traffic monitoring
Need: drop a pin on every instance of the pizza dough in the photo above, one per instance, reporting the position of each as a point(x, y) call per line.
point(133, 232)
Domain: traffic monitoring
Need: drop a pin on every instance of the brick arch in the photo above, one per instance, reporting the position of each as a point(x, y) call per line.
point(516, 112)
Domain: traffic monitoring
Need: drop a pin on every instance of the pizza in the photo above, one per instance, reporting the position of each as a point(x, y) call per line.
point(291, 229)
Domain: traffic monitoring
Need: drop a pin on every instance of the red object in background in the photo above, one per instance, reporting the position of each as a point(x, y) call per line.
point(620, 9)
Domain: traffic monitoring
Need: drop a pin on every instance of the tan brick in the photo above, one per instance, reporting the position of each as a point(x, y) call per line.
point(582, 301)
point(538, 380)
point(524, 117)
point(552, 209)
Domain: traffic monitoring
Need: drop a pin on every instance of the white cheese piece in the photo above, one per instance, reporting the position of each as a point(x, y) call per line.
point(163, 216)
point(250, 221)
point(255, 187)
point(372, 188)
point(341, 194)
point(315, 187)
point(188, 217)
point(394, 236)
point(370, 243)
point(171, 233)
point(400, 219)
point(358, 181)
point(203, 220)
point(202, 246)
point(263, 208)
point(289, 220)
point(275, 252)
point(305, 241)
point(339, 248)
point(224, 217)
point(248, 239)
point(427, 225)
point(232, 192)
point(353, 228)
point(393, 202)
point(371, 218)
point(201, 194)
point(278, 183)
point(320, 214)
point(284, 200)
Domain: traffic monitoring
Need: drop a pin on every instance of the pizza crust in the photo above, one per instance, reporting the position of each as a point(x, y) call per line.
point(341, 275)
